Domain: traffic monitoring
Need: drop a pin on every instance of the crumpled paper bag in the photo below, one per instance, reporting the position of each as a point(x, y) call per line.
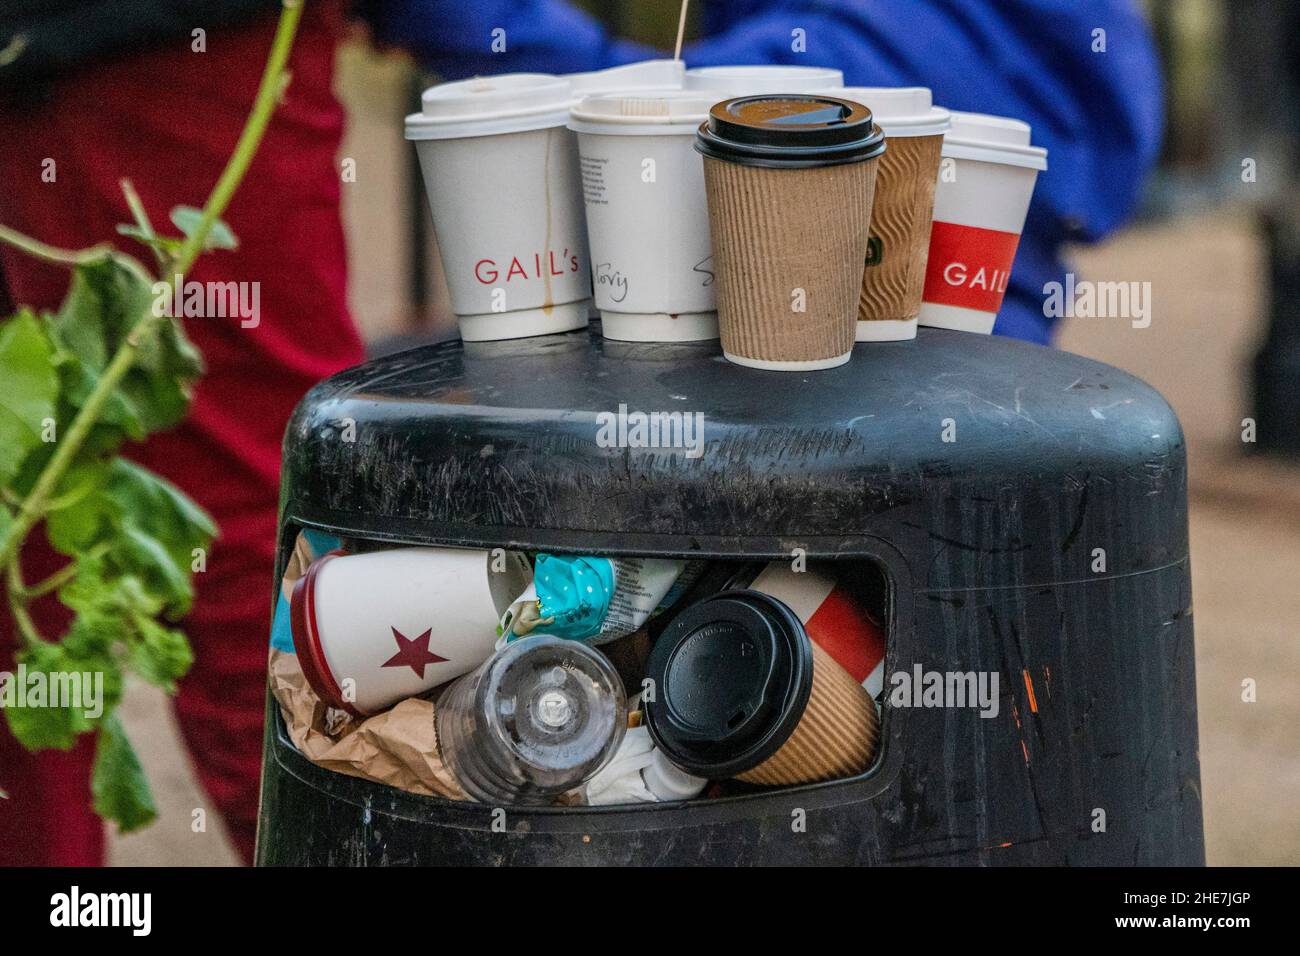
point(397, 747)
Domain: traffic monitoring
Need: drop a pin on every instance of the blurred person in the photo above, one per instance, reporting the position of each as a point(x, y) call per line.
point(111, 89)
point(167, 117)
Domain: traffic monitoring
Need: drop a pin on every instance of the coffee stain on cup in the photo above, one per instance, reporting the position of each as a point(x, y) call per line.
point(548, 303)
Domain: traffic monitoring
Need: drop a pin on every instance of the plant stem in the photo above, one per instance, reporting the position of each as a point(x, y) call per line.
point(36, 503)
point(39, 250)
point(51, 583)
point(60, 577)
point(142, 220)
point(268, 93)
point(34, 506)
point(18, 609)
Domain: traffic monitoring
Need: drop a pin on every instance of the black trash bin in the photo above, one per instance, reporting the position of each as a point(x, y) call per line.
point(1026, 507)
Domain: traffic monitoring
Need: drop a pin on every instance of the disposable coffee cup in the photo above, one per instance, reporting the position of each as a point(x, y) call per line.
point(725, 82)
point(894, 274)
point(790, 180)
point(647, 217)
point(741, 691)
point(373, 629)
point(631, 77)
point(980, 205)
point(833, 617)
point(501, 173)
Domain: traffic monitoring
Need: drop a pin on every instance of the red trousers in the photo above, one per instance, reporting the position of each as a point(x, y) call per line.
point(168, 120)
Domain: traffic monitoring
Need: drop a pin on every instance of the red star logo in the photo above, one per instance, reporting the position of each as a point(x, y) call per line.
point(413, 653)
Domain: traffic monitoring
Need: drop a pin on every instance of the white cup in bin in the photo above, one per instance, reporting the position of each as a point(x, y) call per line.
point(501, 173)
point(373, 629)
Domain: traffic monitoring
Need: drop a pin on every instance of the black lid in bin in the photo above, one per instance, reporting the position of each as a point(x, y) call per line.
point(732, 676)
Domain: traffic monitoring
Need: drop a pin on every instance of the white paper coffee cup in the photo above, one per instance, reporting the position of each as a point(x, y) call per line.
point(501, 173)
point(726, 82)
point(628, 78)
point(647, 214)
point(631, 77)
point(986, 181)
point(373, 629)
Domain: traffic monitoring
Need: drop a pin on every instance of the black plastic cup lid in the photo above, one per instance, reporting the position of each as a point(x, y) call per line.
point(790, 130)
point(732, 676)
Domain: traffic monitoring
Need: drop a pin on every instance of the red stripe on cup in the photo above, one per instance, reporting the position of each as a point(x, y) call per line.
point(968, 266)
point(306, 639)
point(844, 632)
point(833, 619)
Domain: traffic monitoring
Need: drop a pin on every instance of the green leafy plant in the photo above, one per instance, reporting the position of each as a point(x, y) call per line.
point(77, 385)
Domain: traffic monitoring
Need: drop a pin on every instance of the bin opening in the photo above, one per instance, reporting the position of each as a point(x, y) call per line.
point(540, 678)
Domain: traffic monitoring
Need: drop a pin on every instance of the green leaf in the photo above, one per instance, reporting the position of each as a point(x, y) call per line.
point(146, 526)
point(186, 219)
point(86, 518)
point(160, 529)
point(106, 301)
point(79, 381)
point(46, 720)
point(149, 558)
point(118, 784)
point(161, 655)
point(168, 245)
point(28, 389)
point(159, 384)
point(118, 612)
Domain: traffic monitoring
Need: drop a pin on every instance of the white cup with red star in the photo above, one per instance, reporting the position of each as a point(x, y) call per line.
point(374, 629)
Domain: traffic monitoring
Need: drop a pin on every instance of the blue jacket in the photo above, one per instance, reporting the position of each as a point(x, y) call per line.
point(1098, 113)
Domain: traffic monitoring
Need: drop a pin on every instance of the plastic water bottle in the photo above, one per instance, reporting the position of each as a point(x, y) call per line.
point(541, 716)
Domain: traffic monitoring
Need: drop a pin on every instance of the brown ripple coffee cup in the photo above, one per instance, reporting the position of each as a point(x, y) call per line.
point(893, 277)
point(741, 691)
point(790, 180)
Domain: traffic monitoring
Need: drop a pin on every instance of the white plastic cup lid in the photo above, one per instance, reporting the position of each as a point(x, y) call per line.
point(652, 113)
point(646, 75)
point(488, 105)
point(900, 110)
point(763, 78)
point(993, 139)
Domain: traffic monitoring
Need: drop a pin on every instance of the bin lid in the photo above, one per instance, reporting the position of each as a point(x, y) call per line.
point(965, 453)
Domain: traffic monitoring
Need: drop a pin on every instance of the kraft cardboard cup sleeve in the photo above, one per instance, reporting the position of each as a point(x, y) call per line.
point(894, 272)
point(741, 691)
point(790, 180)
point(979, 213)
